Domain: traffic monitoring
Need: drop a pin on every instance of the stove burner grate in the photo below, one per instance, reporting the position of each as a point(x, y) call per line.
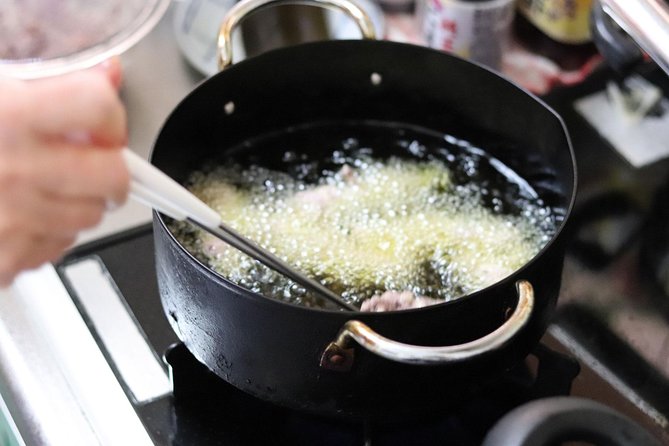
point(218, 413)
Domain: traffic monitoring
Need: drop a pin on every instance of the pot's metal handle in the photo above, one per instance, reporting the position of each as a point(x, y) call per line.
point(237, 13)
point(338, 355)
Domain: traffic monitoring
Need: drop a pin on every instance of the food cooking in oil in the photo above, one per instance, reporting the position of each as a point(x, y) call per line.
point(385, 233)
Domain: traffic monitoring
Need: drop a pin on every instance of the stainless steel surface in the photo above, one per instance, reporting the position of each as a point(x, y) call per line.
point(53, 377)
point(647, 22)
point(242, 9)
point(415, 354)
point(9, 433)
point(123, 338)
point(195, 22)
point(56, 382)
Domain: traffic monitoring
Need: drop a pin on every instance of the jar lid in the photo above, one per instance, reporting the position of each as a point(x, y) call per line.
point(40, 38)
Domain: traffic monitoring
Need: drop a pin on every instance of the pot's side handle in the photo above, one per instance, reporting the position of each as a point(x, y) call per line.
point(338, 355)
point(241, 10)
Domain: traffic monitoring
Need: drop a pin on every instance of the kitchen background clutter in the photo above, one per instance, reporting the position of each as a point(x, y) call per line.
point(84, 338)
point(195, 22)
point(493, 32)
point(476, 30)
point(39, 38)
point(558, 29)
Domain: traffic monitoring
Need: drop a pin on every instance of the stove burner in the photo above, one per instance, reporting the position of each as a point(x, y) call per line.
point(213, 411)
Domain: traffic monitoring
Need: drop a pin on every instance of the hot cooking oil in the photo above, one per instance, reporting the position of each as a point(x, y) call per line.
point(439, 221)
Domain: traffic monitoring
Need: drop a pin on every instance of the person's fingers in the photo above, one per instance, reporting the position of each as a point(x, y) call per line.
point(64, 217)
point(57, 166)
point(78, 172)
point(81, 105)
point(26, 252)
point(34, 212)
point(36, 228)
point(43, 249)
point(14, 114)
point(113, 70)
point(54, 216)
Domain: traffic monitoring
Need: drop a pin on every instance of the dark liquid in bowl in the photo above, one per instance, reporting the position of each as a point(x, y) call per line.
point(451, 189)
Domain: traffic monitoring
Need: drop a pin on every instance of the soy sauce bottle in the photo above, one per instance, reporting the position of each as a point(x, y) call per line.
point(556, 29)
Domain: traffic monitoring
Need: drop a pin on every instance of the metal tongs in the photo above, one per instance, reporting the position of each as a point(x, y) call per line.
point(152, 187)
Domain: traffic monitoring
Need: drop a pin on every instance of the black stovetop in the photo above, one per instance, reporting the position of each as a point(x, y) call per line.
point(204, 410)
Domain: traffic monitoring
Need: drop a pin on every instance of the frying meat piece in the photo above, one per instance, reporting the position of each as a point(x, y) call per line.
point(321, 196)
point(213, 246)
point(318, 197)
point(397, 300)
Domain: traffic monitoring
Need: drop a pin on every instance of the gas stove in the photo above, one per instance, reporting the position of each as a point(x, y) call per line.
point(109, 362)
point(606, 343)
point(178, 401)
point(204, 407)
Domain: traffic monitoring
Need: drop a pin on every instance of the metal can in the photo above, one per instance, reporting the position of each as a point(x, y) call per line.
point(476, 30)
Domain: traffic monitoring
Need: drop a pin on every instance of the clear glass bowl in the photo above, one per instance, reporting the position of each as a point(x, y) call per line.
point(40, 38)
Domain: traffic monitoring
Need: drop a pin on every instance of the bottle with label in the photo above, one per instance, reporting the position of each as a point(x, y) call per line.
point(556, 29)
point(478, 30)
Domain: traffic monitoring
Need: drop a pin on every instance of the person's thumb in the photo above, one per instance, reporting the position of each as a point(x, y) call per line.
point(112, 69)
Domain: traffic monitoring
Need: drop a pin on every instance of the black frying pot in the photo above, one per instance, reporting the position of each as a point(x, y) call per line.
point(286, 353)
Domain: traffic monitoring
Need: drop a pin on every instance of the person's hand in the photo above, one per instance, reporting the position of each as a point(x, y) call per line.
point(60, 166)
